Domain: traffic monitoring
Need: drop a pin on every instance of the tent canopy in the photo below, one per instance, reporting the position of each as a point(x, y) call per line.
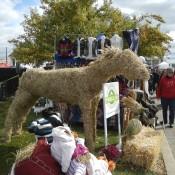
point(163, 65)
point(142, 59)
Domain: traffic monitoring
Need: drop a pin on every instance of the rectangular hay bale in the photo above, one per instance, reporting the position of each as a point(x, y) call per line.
point(143, 149)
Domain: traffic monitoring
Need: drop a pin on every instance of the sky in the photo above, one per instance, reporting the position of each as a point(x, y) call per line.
point(12, 14)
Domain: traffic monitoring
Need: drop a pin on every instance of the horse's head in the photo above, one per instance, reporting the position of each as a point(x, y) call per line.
point(132, 67)
point(126, 63)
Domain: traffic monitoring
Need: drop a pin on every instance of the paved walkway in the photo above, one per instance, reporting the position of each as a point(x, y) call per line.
point(168, 146)
point(169, 133)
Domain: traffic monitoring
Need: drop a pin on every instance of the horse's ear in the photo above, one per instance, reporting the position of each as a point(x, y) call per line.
point(110, 52)
point(127, 53)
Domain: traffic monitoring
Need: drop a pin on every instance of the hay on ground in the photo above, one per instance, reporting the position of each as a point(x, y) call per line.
point(143, 150)
point(25, 152)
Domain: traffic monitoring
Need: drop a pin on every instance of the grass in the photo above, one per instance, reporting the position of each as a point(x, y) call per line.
point(8, 151)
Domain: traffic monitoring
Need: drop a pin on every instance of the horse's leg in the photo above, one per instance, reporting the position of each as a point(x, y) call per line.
point(88, 125)
point(94, 107)
point(17, 113)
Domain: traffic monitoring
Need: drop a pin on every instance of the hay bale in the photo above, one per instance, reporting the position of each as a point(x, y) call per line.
point(132, 104)
point(143, 150)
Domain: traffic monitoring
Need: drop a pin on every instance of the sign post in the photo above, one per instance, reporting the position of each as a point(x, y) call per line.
point(111, 106)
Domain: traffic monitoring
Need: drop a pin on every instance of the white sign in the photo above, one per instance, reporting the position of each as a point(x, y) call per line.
point(111, 106)
point(111, 99)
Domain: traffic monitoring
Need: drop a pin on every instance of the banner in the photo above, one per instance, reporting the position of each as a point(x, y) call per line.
point(111, 99)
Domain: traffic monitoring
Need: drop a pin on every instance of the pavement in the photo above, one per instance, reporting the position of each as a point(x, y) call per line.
point(168, 145)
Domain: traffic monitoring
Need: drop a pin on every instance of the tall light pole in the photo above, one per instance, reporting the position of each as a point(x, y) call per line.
point(6, 54)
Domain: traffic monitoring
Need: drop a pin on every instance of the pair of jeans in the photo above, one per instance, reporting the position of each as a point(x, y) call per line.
point(168, 104)
point(132, 38)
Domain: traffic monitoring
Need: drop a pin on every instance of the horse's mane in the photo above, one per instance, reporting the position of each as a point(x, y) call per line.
point(107, 54)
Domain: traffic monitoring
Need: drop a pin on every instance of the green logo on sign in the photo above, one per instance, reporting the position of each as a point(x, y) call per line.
point(111, 98)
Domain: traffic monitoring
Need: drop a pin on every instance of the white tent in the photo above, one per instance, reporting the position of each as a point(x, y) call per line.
point(142, 59)
point(163, 65)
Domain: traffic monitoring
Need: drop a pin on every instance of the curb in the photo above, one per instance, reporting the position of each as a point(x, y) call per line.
point(167, 156)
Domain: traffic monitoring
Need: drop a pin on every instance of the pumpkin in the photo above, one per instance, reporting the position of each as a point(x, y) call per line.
point(134, 127)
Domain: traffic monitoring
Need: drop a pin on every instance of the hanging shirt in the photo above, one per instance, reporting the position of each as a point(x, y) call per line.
point(100, 36)
point(132, 38)
point(103, 42)
point(78, 47)
point(116, 41)
point(91, 44)
point(65, 47)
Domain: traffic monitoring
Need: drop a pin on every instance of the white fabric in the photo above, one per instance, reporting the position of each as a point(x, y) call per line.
point(146, 88)
point(78, 48)
point(109, 173)
point(117, 41)
point(103, 42)
point(13, 170)
point(63, 146)
point(80, 141)
point(90, 41)
point(97, 167)
point(76, 168)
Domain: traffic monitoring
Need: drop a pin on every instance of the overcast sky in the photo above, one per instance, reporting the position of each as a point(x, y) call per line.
point(164, 8)
point(12, 12)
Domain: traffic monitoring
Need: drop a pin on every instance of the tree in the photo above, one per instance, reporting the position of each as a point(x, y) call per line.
point(61, 18)
point(153, 42)
point(33, 46)
point(72, 17)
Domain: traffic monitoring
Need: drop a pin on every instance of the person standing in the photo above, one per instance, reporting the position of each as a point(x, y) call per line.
point(156, 78)
point(166, 92)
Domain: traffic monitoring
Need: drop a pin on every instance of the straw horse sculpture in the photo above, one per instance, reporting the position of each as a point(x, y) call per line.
point(74, 86)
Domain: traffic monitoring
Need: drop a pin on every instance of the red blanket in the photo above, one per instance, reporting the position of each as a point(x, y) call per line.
point(40, 163)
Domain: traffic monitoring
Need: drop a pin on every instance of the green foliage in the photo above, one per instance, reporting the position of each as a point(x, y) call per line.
point(72, 17)
point(8, 151)
point(152, 41)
